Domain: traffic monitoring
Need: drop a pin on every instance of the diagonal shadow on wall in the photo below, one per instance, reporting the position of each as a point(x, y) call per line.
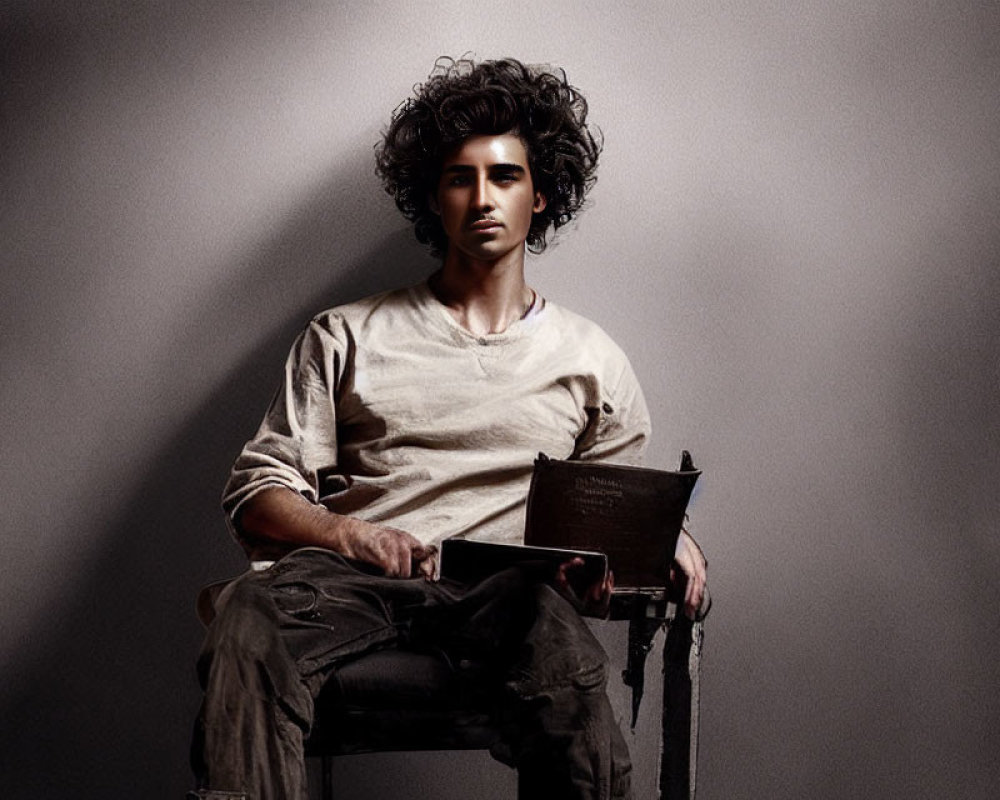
point(105, 707)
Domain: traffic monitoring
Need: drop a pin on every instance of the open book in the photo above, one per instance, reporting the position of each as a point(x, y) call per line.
point(625, 518)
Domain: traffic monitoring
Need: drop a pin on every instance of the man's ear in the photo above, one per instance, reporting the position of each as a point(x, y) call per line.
point(433, 204)
point(540, 203)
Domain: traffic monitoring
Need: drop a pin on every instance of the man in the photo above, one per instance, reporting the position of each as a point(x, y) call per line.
point(416, 415)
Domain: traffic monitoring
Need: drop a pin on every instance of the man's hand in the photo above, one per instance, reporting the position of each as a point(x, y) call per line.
point(690, 559)
point(282, 516)
point(596, 600)
point(398, 553)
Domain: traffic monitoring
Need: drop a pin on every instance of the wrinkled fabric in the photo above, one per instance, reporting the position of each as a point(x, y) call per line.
point(392, 412)
point(280, 633)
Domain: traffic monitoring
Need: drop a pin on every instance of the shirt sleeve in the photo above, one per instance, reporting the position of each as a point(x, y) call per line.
point(296, 444)
point(619, 425)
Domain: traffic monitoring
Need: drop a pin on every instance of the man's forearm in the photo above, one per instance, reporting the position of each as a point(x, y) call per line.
point(282, 516)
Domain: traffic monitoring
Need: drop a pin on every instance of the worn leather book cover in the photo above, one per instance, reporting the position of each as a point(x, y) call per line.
point(632, 514)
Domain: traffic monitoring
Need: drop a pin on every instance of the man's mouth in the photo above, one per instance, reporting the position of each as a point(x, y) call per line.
point(484, 225)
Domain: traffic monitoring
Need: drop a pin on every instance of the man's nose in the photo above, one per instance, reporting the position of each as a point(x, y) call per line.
point(481, 197)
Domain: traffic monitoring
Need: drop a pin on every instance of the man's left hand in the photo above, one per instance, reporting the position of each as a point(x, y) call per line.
point(691, 561)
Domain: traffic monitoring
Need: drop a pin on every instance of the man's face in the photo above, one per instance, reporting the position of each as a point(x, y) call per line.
point(486, 197)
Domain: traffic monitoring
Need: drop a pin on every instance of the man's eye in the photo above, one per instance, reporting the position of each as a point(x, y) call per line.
point(458, 180)
point(505, 177)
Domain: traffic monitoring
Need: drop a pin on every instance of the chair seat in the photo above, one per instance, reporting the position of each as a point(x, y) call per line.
point(392, 678)
point(400, 700)
point(397, 700)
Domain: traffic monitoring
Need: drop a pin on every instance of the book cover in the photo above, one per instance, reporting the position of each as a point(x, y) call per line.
point(632, 514)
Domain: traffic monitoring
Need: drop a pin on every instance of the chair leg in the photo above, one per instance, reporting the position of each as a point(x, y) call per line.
point(326, 767)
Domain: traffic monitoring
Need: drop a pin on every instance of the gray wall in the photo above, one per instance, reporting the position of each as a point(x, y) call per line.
point(794, 235)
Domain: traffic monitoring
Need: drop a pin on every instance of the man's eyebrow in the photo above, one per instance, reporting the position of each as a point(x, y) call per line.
point(503, 167)
point(508, 168)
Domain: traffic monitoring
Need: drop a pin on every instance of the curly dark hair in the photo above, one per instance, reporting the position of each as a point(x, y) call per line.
point(462, 99)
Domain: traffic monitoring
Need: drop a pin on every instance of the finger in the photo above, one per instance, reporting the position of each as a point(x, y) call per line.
point(697, 600)
point(404, 558)
point(693, 565)
point(696, 591)
point(426, 560)
point(608, 586)
point(561, 578)
point(389, 562)
point(692, 609)
point(603, 600)
point(423, 552)
point(405, 549)
point(573, 564)
point(396, 555)
point(564, 570)
point(700, 567)
point(428, 567)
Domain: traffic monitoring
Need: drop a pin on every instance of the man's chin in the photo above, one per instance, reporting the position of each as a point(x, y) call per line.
point(486, 251)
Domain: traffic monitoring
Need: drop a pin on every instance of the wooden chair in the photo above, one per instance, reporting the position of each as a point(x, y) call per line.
point(402, 701)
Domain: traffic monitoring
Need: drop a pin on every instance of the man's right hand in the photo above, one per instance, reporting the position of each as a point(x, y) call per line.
point(398, 553)
point(283, 516)
point(596, 599)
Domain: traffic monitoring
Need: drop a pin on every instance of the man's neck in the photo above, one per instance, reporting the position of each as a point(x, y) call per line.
point(483, 296)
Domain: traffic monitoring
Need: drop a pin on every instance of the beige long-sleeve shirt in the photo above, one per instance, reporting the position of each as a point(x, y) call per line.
point(390, 411)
